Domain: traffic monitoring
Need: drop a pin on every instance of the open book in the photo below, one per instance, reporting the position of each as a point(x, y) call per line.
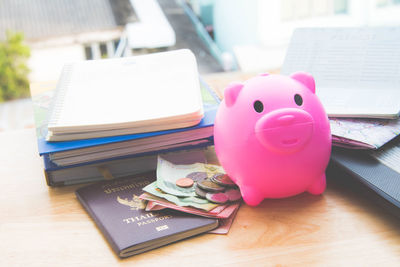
point(129, 95)
point(356, 69)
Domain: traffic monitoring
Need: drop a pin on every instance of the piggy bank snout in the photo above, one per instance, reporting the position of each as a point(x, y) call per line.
point(285, 130)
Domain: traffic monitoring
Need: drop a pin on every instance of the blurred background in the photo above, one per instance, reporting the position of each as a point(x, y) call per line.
point(232, 39)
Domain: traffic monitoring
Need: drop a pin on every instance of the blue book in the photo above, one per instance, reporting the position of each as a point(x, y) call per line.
point(91, 172)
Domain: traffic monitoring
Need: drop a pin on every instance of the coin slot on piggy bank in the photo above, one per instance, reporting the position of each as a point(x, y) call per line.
point(272, 137)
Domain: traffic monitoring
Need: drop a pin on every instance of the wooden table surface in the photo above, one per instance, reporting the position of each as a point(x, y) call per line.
point(42, 226)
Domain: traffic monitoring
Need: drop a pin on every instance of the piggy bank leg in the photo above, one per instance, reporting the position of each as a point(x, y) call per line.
point(251, 196)
point(319, 186)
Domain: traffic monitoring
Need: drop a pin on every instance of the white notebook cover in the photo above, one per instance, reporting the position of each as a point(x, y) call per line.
point(146, 93)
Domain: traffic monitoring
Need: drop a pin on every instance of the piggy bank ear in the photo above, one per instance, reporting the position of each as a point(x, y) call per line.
point(264, 74)
point(232, 92)
point(306, 79)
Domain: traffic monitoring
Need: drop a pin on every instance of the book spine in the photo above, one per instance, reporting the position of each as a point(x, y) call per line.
point(61, 90)
point(48, 177)
point(52, 166)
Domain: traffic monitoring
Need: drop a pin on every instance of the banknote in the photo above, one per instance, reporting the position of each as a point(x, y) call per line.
point(224, 224)
point(168, 173)
point(224, 221)
point(191, 201)
point(151, 205)
point(221, 212)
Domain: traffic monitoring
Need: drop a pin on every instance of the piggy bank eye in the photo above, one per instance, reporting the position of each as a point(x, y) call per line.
point(298, 99)
point(258, 106)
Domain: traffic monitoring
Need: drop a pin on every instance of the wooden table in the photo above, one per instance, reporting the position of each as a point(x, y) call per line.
point(42, 226)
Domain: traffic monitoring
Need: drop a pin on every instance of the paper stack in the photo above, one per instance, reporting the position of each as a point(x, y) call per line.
point(119, 114)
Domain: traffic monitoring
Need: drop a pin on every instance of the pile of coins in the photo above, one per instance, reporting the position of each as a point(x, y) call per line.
point(218, 189)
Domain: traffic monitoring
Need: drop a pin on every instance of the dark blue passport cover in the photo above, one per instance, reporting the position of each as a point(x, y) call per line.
point(119, 214)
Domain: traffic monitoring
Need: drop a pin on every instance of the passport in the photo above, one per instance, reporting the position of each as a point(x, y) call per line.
point(120, 215)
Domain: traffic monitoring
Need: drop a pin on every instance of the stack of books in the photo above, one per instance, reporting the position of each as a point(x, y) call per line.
point(114, 116)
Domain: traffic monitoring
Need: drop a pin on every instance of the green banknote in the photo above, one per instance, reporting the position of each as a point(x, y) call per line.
point(191, 201)
point(168, 173)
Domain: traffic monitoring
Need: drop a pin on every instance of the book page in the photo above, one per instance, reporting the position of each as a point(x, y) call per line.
point(356, 58)
point(352, 67)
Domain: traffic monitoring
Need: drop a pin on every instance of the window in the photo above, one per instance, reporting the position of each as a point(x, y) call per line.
point(340, 6)
point(88, 52)
point(303, 9)
point(386, 3)
point(103, 50)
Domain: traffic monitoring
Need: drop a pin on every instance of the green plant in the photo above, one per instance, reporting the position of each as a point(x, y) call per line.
point(14, 71)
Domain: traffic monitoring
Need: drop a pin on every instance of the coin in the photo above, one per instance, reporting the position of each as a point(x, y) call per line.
point(233, 194)
point(209, 186)
point(219, 198)
point(199, 192)
point(197, 176)
point(223, 180)
point(184, 182)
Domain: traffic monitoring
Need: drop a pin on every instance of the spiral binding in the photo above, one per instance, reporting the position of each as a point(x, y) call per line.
point(61, 91)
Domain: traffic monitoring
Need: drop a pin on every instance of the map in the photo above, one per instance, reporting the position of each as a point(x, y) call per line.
point(363, 133)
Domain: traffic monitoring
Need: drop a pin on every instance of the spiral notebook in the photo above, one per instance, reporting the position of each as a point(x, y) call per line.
point(128, 95)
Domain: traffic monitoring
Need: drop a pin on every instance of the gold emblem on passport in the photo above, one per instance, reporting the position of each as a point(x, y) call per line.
point(135, 204)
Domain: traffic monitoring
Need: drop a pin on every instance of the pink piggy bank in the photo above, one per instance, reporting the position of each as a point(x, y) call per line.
point(272, 137)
